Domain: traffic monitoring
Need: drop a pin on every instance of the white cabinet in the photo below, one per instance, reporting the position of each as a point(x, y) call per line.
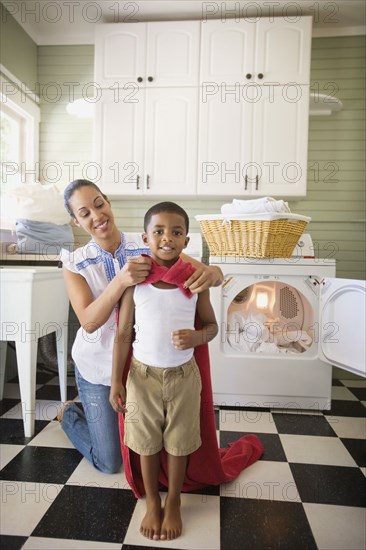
point(282, 50)
point(148, 146)
point(280, 141)
point(148, 54)
point(226, 144)
point(204, 108)
point(227, 52)
point(269, 50)
point(254, 141)
point(171, 141)
point(119, 141)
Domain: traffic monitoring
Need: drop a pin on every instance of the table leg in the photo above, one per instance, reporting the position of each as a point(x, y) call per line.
point(3, 350)
point(61, 345)
point(27, 366)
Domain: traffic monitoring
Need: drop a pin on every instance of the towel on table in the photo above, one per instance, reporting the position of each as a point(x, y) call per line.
point(265, 204)
point(208, 465)
point(177, 274)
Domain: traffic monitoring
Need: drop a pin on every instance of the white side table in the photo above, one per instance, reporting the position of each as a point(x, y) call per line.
point(33, 302)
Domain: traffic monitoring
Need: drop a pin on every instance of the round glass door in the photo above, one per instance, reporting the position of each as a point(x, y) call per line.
point(270, 317)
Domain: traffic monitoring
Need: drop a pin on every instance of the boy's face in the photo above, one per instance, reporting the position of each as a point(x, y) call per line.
point(166, 236)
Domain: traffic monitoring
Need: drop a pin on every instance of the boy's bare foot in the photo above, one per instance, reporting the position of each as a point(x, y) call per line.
point(172, 521)
point(150, 525)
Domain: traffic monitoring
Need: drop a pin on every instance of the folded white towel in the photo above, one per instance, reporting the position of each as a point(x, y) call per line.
point(265, 204)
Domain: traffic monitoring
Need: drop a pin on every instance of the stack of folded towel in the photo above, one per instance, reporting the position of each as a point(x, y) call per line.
point(265, 204)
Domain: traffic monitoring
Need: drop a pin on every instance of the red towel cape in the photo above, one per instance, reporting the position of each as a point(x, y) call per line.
point(177, 274)
point(209, 465)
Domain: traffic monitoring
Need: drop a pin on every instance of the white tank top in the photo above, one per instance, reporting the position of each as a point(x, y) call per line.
point(158, 313)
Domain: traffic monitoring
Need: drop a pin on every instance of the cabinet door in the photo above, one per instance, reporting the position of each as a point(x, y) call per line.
point(119, 136)
point(173, 53)
point(225, 152)
point(120, 53)
point(227, 52)
point(283, 50)
point(280, 132)
point(171, 141)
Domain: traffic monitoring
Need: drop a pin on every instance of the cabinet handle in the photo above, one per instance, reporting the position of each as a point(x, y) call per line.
point(150, 78)
point(256, 182)
point(147, 181)
point(248, 76)
point(260, 75)
point(246, 183)
point(138, 182)
point(139, 79)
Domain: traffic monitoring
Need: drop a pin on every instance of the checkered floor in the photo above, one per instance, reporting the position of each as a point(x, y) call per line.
point(307, 492)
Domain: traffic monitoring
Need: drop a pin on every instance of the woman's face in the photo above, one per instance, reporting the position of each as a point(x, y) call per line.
point(92, 212)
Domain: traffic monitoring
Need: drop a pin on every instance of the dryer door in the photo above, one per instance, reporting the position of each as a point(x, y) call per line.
point(342, 324)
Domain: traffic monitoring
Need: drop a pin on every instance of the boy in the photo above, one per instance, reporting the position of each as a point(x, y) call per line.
point(163, 385)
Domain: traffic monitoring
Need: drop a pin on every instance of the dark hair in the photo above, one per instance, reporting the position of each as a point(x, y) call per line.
point(74, 186)
point(170, 207)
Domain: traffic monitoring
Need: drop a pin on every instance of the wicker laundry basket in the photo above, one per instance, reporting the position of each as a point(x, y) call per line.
point(267, 235)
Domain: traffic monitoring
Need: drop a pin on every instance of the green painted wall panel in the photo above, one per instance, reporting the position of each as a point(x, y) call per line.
point(18, 52)
point(336, 144)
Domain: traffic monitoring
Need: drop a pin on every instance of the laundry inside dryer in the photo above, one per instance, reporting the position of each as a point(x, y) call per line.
point(270, 317)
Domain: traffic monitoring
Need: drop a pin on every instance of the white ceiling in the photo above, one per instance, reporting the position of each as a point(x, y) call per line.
point(73, 21)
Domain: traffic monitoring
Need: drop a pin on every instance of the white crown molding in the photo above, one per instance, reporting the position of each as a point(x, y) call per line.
point(57, 23)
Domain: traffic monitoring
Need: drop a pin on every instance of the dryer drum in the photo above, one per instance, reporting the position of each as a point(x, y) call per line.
point(278, 315)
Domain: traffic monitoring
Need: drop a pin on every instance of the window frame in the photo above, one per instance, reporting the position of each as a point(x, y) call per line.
point(20, 104)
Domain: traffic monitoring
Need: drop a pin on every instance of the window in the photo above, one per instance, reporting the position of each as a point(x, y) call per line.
point(13, 127)
point(19, 126)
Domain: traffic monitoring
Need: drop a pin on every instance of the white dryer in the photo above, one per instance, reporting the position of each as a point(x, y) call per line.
point(283, 323)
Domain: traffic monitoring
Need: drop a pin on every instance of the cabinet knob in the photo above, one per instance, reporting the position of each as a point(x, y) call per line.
point(138, 182)
point(256, 182)
point(150, 78)
point(248, 76)
point(260, 75)
point(147, 181)
point(246, 183)
point(140, 79)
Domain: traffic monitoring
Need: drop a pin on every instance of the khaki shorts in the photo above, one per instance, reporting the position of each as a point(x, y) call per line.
point(163, 409)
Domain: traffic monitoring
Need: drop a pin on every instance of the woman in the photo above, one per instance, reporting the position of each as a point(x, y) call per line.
point(96, 275)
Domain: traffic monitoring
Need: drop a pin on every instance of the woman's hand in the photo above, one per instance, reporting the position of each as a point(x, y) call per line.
point(203, 278)
point(135, 270)
point(117, 397)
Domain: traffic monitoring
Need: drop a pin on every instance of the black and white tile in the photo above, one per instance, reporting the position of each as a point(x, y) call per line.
point(307, 492)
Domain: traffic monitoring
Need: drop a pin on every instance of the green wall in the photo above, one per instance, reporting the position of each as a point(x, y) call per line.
point(18, 52)
point(336, 163)
point(336, 176)
point(65, 73)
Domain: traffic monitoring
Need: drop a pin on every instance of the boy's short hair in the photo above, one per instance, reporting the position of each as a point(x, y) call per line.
point(169, 207)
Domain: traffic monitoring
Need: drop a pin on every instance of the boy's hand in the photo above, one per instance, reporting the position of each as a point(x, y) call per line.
point(183, 338)
point(117, 398)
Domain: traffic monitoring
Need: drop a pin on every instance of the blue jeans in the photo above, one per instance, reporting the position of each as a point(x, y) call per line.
point(94, 430)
